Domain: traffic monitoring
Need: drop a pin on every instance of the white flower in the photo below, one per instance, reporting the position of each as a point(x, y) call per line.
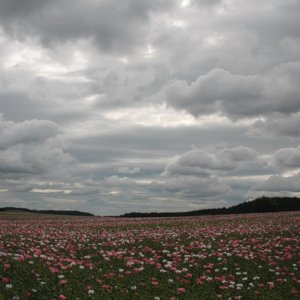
point(8, 286)
point(239, 286)
point(91, 292)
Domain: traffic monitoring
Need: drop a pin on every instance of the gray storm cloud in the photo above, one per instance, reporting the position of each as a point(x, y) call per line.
point(203, 163)
point(278, 125)
point(190, 186)
point(113, 25)
point(288, 157)
point(30, 147)
point(30, 131)
point(239, 96)
point(277, 183)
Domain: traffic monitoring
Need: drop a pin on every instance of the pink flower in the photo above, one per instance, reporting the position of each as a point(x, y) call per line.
point(28, 294)
point(6, 267)
point(62, 297)
point(199, 281)
point(20, 258)
point(63, 282)
point(53, 270)
point(181, 290)
point(154, 283)
point(271, 285)
point(105, 286)
point(5, 280)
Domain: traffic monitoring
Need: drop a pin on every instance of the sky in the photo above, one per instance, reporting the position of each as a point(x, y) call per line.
point(111, 106)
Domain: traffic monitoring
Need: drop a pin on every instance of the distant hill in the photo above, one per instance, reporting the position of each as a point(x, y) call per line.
point(46, 212)
point(259, 205)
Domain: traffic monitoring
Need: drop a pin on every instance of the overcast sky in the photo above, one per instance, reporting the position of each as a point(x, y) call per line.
point(113, 106)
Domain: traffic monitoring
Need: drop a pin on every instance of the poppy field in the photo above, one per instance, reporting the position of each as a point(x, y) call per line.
point(253, 256)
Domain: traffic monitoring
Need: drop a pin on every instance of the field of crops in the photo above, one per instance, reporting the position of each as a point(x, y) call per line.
point(220, 257)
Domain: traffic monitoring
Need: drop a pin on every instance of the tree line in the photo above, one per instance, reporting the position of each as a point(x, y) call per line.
point(259, 205)
point(47, 212)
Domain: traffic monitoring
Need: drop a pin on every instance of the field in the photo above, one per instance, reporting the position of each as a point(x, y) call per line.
point(253, 256)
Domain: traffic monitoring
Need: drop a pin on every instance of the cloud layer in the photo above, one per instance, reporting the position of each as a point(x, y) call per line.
point(117, 106)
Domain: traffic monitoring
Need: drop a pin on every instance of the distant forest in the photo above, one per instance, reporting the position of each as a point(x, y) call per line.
point(47, 212)
point(259, 205)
